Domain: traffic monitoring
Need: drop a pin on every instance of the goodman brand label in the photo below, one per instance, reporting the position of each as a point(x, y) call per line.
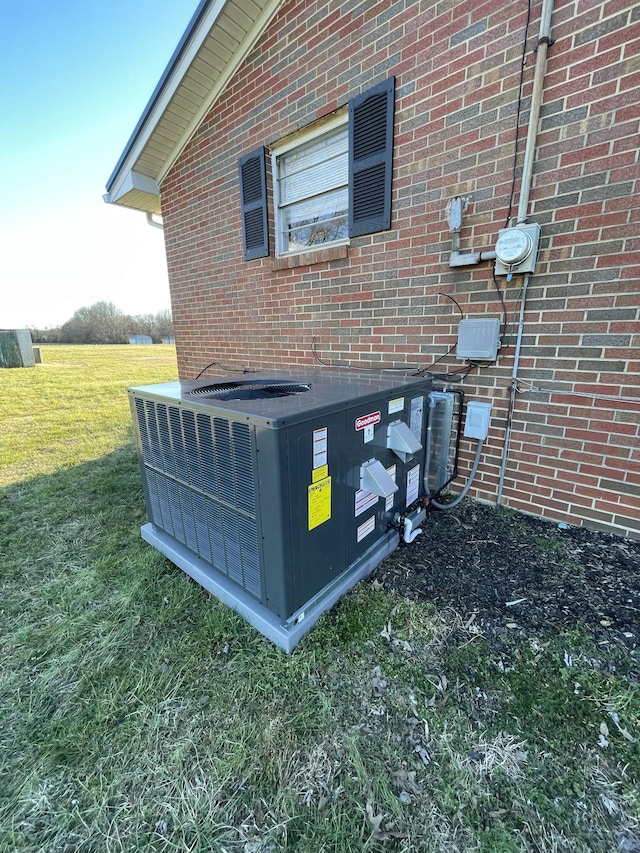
point(365, 529)
point(369, 420)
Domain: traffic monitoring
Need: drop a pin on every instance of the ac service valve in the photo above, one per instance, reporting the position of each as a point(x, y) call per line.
point(409, 524)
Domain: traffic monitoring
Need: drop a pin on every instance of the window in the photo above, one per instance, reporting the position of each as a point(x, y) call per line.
point(329, 184)
point(311, 189)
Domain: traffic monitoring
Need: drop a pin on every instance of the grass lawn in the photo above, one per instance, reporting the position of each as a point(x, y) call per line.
point(139, 714)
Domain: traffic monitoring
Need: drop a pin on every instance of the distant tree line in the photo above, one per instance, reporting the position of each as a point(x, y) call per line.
point(103, 323)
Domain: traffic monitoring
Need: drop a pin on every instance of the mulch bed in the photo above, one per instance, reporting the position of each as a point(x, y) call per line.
point(519, 575)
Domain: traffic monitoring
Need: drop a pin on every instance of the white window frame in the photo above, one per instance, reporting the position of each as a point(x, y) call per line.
point(338, 122)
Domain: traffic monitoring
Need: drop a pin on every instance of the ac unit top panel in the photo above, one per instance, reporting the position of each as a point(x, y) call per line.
point(273, 399)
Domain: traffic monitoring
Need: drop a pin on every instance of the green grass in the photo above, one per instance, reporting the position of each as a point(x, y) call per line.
point(139, 714)
point(73, 407)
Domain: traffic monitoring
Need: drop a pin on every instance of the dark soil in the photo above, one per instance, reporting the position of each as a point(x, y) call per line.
point(516, 575)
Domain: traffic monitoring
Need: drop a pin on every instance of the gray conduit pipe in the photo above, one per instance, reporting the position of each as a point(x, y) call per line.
point(463, 493)
point(512, 393)
point(458, 258)
point(544, 39)
point(463, 259)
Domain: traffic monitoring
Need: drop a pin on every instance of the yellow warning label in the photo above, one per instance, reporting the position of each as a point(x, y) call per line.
point(319, 495)
point(320, 473)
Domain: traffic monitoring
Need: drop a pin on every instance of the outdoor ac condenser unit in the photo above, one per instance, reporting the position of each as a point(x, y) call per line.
point(276, 493)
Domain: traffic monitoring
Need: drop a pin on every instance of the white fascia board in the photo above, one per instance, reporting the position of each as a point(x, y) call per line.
point(196, 38)
point(195, 41)
point(140, 202)
point(260, 24)
point(132, 181)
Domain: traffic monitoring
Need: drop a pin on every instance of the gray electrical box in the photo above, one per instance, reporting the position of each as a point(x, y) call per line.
point(517, 249)
point(478, 338)
point(477, 420)
point(276, 492)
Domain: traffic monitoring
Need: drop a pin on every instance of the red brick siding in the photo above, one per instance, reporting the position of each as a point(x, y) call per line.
point(384, 301)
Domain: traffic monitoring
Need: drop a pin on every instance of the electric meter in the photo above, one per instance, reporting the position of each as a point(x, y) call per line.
point(517, 249)
point(513, 246)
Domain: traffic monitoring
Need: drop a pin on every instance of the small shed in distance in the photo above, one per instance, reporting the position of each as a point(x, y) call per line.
point(16, 348)
point(140, 339)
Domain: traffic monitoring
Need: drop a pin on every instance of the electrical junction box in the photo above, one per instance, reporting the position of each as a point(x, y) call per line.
point(478, 338)
point(276, 492)
point(517, 249)
point(478, 417)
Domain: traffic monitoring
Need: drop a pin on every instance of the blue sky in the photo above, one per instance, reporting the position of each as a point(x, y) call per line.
point(75, 76)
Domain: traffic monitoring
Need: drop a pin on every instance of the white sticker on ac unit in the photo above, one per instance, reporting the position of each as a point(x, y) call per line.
point(364, 501)
point(391, 471)
point(365, 529)
point(320, 447)
point(413, 484)
point(415, 420)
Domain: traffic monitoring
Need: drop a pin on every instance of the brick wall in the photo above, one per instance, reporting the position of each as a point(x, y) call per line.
point(575, 444)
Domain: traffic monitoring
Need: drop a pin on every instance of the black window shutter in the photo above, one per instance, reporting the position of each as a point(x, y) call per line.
point(370, 159)
point(253, 199)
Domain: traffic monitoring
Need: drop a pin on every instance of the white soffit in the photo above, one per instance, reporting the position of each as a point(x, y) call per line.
point(218, 39)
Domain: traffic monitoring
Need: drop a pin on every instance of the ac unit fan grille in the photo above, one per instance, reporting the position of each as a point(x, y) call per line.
point(201, 486)
point(251, 390)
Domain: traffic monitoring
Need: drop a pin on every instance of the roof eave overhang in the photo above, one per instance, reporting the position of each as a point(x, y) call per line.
point(135, 190)
point(197, 74)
